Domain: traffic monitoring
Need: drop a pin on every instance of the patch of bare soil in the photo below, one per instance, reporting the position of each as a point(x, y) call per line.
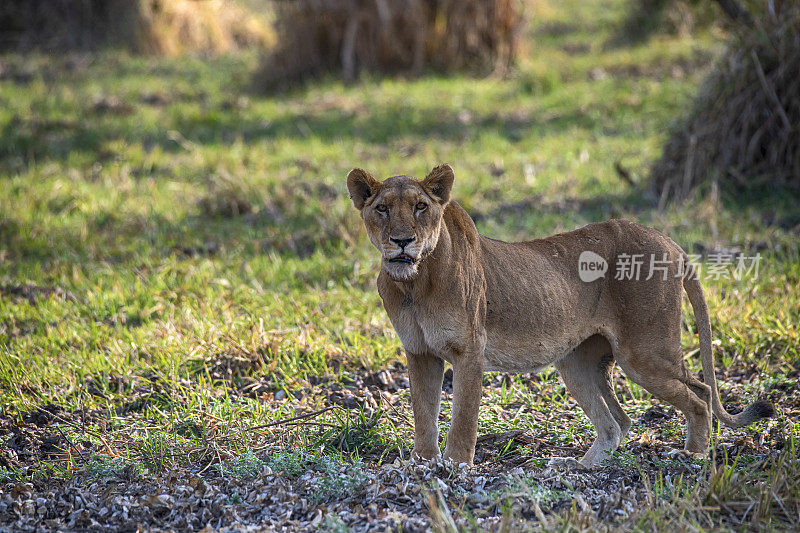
point(29, 442)
point(660, 70)
point(33, 292)
point(512, 469)
point(396, 495)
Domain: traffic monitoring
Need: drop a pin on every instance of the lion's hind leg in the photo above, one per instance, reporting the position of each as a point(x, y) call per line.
point(587, 374)
point(664, 374)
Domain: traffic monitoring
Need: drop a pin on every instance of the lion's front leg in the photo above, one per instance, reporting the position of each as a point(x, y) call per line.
point(425, 373)
point(467, 385)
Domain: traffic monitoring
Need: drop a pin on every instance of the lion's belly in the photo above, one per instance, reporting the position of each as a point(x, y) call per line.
point(507, 355)
point(524, 348)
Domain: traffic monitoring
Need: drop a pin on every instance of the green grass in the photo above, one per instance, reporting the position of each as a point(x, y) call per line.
point(201, 224)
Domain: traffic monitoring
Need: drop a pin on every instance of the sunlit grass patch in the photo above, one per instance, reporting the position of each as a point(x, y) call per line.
point(223, 303)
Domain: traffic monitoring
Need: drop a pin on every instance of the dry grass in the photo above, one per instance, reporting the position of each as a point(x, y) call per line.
point(319, 36)
point(150, 27)
point(743, 126)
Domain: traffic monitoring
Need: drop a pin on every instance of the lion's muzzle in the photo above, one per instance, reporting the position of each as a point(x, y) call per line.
point(403, 258)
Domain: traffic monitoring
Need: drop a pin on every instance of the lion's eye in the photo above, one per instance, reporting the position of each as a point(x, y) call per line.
point(421, 206)
point(382, 208)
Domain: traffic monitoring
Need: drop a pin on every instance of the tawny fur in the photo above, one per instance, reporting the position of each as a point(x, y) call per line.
point(481, 304)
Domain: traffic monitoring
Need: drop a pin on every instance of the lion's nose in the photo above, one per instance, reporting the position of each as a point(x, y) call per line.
point(402, 243)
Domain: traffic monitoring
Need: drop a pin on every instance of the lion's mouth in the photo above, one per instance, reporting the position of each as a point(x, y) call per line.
point(403, 258)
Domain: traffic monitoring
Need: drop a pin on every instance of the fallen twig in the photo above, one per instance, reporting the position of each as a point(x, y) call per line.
point(109, 450)
point(294, 418)
point(69, 442)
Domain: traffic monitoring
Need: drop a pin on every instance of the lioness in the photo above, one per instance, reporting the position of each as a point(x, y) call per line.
point(482, 304)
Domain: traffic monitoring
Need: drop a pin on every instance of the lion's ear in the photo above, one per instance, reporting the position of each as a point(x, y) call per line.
point(439, 182)
point(361, 185)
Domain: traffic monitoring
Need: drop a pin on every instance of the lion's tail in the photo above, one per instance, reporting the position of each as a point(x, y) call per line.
point(758, 410)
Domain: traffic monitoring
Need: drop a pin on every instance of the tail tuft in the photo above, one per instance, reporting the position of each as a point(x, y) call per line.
point(762, 409)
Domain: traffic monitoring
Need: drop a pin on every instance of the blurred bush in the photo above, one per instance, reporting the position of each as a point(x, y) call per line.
point(743, 126)
point(160, 27)
point(386, 36)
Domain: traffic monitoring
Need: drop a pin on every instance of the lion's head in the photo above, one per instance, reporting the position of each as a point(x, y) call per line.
point(403, 216)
